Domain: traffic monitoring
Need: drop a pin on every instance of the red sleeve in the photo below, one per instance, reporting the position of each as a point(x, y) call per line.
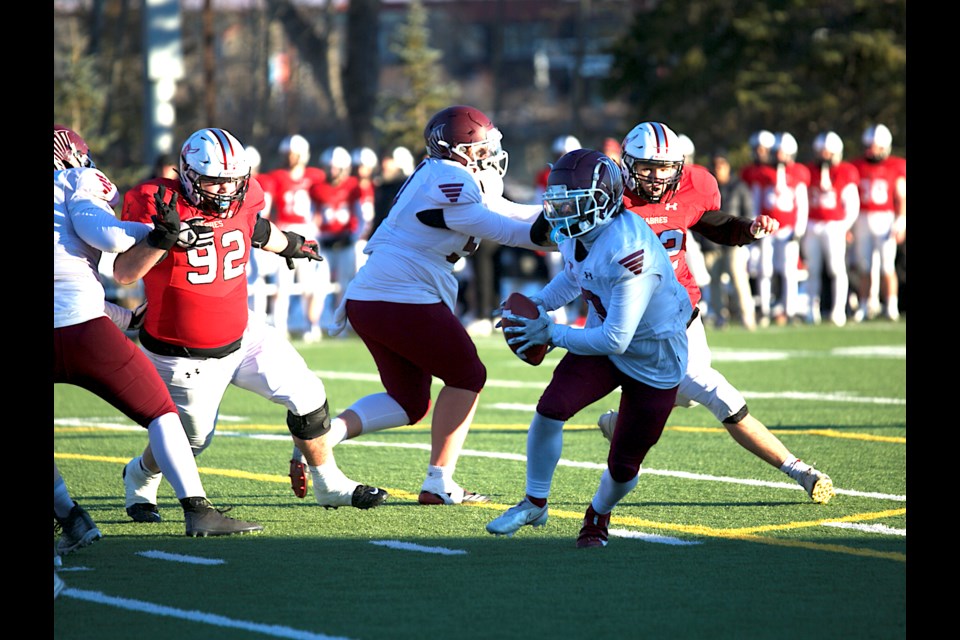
point(138, 204)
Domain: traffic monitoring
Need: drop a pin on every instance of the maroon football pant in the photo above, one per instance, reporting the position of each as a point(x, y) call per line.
point(97, 356)
point(412, 343)
point(579, 381)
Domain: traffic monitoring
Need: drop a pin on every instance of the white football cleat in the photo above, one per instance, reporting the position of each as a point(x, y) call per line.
point(433, 491)
point(607, 423)
point(521, 514)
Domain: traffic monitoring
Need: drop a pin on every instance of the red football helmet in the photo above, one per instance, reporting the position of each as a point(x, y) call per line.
point(69, 149)
point(466, 135)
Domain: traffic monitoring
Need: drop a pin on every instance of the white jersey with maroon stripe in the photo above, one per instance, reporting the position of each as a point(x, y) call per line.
point(439, 216)
point(637, 309)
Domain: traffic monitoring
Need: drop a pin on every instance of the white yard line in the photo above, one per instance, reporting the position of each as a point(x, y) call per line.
point(274, 630)
point(409, 546)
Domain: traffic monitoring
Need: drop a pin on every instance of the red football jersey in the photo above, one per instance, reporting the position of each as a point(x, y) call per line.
point(338, 206)
point(198, 298)
point(825, 190)
point(291, 198)
point(698, 192)
point(779, 201)
point(878, 182)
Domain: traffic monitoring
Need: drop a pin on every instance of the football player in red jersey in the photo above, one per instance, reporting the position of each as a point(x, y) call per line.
point(784, 197)
point(90, 351)
point(834, 205)
point(198, 331)
point(293, 210)
point(673, 199)
point(882, 224)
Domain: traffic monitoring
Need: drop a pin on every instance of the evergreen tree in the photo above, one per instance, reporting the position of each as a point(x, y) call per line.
point(404, 116)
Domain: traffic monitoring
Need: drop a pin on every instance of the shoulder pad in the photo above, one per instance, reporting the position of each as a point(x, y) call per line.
point(93, 184)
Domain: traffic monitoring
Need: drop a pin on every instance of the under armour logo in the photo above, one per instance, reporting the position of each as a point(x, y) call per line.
point(588, 275)
point(671, 206)
point(188, 374)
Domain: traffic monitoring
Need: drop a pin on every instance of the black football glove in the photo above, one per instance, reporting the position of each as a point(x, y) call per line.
point(166, 222)
point(194, 234)
point(299, 247)
point(137, 317)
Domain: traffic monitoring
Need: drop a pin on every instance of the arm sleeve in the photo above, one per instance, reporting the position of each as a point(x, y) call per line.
point(724, 228)
point(99, 228)
point(803, 210)
point(261, 232)
point(559, 291)
point(119, 315)
point(628, 303)
point(475, 219)
point(850, 197)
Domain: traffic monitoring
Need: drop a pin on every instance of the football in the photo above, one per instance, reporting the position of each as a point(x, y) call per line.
point(520, 305)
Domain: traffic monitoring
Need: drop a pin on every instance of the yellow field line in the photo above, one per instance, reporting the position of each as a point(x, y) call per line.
point(745, 534)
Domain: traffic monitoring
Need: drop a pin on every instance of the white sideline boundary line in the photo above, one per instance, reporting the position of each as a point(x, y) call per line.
point(652, 537)
point(275, 631)
point(868, 528)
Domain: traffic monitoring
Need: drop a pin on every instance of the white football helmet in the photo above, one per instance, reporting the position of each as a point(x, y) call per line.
point(689, 150)
point(296, 144)
point(404, 160)
point(466, 135)
point(651, 144)
point(877, 141)
point(785, 144)
point(565, 144)
point(828, 146)
point(584, 191)
point(214, 156)
point(364, 157)
point(253, 157)
point(761, 142)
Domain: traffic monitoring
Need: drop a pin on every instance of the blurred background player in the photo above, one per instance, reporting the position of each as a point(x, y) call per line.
point(264, 265)
point(395, 168)
point(701, 253)
point(784, 197)
point(834, 206)
point(293, 210)
point(882, 224)
point(339, 215)
point(674, 199)
point(365, 168)
point(731, 264)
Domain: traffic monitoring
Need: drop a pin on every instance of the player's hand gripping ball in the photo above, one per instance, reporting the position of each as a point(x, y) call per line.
point(520, 305)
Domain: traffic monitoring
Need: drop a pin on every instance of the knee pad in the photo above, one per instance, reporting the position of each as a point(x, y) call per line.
point(310, 426)
point(738, 416)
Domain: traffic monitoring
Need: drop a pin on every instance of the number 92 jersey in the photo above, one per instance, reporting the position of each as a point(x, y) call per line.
point(198, 297)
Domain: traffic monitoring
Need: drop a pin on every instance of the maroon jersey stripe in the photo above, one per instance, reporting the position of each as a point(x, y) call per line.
point(452, 190)
point(633, 262)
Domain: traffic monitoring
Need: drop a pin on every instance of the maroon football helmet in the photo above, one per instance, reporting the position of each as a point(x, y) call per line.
point(69, 149)
point(584, 191)
point(464, 134)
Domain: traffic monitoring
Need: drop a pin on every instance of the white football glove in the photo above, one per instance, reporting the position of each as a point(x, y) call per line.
point(532, 331)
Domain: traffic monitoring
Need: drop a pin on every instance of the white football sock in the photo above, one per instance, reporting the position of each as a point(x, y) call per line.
point(544, 445)
point(170, 447)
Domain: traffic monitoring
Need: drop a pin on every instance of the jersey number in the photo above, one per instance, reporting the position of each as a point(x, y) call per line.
point(206, 260)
